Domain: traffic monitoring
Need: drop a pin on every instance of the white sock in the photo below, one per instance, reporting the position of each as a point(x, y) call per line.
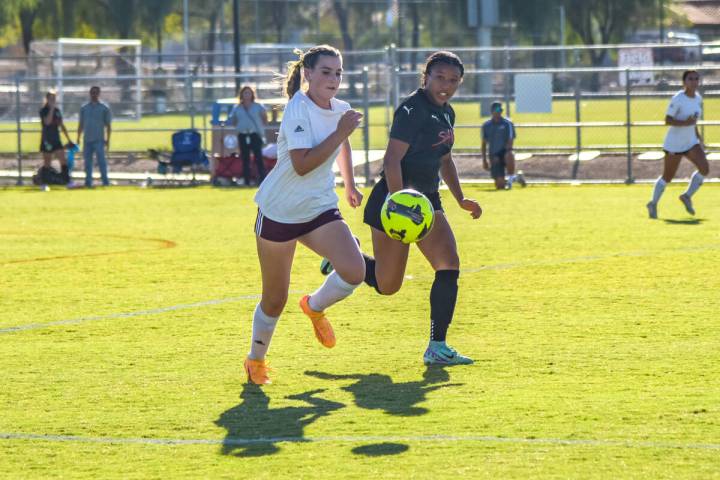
point(332, 291)
point(695, 181)
point(660, 184)
point(263, 329)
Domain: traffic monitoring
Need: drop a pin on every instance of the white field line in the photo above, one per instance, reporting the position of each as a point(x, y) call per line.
point(498, 266)
point(362, 439)
point(34, 326)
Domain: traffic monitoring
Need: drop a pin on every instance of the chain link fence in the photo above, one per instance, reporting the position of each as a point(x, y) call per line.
point(613, 112)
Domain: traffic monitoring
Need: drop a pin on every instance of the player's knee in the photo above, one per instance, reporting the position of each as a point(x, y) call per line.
point(704, 170)
point(353, 274)
point(388, 288)
point(452, 262)
point(273, 305)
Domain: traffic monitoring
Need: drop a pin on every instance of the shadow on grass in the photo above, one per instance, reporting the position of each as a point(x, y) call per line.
point(376, 391)
point(687, 221)
point(253, 428)
point(381, 449)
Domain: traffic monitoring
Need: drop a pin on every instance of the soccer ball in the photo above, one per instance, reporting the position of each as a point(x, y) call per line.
point(407, 215)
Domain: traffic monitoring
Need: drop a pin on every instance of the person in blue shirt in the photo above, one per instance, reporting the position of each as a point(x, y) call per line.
point(250, 119)
point(498, 136)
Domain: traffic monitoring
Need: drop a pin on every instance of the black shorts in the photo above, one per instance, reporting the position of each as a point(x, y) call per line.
point(50, 146)
point(375, 201)
point(497, 164)
point(680, 153)
point(284, 232)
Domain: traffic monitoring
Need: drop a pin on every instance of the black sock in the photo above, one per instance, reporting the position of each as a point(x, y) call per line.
point(370, 278)
point(443, 296)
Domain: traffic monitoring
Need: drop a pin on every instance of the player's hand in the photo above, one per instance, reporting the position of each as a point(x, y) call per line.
point(349, 122)
point(471, 206)
point(353, 197)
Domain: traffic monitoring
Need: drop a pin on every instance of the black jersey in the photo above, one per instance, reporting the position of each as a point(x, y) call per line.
point(428, 129)
point(51, 133)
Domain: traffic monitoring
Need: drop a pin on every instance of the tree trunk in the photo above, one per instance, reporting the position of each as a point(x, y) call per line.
point(27, 18)
point(342, 16)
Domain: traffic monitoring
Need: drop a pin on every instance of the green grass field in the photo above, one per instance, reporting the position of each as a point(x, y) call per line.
point(126, 315)
point(139, 136)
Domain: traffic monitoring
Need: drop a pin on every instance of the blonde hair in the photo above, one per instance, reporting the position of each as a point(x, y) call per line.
point(307, 59)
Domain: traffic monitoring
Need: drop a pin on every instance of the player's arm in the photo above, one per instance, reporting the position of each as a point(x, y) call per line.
point(449, 174)
point(48, 119)
point(394, 154)
point(674, 122)
point(67, 135)
point(483, 146)
point(344, 161)
point(305, 160)
point(81, 127)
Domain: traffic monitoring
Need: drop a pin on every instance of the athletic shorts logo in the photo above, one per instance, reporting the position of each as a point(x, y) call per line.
point(299, 129)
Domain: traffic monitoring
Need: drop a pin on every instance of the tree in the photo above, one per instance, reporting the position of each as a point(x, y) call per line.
point(152, 16)
point(603, 21)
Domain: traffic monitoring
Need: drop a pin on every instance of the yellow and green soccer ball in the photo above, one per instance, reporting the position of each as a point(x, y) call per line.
point(407, 215)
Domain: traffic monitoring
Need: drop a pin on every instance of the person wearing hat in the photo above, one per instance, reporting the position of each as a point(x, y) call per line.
point(498, 135)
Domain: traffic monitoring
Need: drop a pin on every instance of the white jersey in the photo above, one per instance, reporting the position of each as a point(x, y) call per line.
point(682, 107)
point(284, 196)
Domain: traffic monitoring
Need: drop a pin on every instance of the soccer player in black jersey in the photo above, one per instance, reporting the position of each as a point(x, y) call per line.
point(417, 155)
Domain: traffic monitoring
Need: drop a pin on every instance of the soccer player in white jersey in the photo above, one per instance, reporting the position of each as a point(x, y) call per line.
point(297, 202)
point(682, 140)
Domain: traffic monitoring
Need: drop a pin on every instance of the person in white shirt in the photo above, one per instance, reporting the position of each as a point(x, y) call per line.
point(297, 202)
point(682, 140)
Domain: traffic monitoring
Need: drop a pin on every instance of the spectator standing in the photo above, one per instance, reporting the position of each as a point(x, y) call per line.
point(95, 123)
point(498, 135)
point(250, 119)
point(52, 121)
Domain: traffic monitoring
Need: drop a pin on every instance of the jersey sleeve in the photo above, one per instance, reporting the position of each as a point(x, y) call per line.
point(407, 122)
point(673, 107)
point(485, 132)
point(295, 126)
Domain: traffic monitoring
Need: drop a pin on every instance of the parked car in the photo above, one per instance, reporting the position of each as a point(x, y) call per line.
point(682, 47)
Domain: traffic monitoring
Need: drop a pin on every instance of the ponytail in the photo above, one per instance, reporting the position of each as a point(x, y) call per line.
point(308, 59)
point(294, 78)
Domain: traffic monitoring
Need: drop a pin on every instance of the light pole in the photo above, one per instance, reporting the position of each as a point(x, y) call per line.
point(562, 35)
point(236, 42)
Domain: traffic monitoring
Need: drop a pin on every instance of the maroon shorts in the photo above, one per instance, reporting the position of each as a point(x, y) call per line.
point(284, 232)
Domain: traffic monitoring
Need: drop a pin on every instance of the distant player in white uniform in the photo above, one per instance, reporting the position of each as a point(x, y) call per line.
point(682, 140)
point(297, 202)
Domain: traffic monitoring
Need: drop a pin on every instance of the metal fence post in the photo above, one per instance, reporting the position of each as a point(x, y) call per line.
point(506, 82)
point(578, 129)
point(191, 100)
point(628, 119)
point(18, 120)
point(394, 77)
point(366, 126)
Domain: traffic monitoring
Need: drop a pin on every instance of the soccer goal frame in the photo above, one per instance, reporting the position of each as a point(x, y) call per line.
point(111, 42)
